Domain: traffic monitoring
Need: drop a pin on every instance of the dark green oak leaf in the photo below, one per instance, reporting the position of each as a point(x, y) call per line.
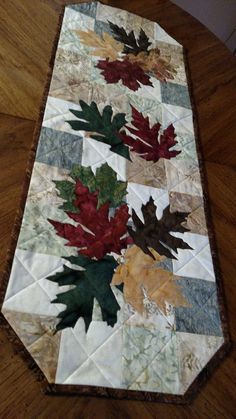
point(131, 44)
point(156, 234)
point(91, 282)
point(102, 126)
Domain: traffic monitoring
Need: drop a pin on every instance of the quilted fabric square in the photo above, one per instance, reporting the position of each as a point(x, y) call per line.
point(113, 288)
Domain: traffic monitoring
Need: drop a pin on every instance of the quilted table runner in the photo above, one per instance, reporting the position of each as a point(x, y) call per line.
point(112, 289)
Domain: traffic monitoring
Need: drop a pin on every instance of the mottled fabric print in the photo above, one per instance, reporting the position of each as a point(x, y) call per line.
point(112, 283)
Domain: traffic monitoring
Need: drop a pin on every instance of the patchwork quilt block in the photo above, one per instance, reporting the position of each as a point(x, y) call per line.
point(113, 289)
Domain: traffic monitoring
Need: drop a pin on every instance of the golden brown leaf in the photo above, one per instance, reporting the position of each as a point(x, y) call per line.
point(139, 273)
point(151, 61)
point(105, 46)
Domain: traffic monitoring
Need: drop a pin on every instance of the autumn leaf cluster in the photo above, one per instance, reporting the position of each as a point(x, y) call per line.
point(146, 140)
point(115, 247)
point(127, 58)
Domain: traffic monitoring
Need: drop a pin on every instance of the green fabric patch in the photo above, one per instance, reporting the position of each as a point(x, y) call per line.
point(162, 372)
point(105, 181)
point(38, 235)
point(140, 345)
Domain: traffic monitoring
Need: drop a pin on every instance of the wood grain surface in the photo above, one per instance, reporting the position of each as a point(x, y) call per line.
point(27, 31)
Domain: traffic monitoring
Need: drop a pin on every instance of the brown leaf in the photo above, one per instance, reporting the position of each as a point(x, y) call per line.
point(105, 46)
point(152, 62)
point(139, 273)
point(156, 233)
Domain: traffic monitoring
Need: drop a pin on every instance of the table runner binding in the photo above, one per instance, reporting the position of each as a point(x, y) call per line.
point(51, 388)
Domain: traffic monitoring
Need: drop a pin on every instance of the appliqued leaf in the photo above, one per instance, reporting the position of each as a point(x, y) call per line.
point(96, 232)
point(85, 174)
point(130, 74)
point(112, 191)
point(151, 62)
point(156, 234)
point(142, 277)
point(131, 44)
point(91, 282)
point(104, 46)
point(66, 191)
point(149, 143)
point(102, 126)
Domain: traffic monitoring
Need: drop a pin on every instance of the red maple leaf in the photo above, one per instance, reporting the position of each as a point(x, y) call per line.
point(96, 233)
point(131, 74)
point(150, 144)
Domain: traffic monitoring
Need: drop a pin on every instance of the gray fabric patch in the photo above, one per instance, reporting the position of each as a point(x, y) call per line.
point(60, 149)
point(89, 9)
point(100, 27)
point(203, 316)
point(175, 94)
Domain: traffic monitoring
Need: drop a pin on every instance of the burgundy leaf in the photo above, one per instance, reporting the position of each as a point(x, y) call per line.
point(149, 143)
point(96, 233)
point(131, 75)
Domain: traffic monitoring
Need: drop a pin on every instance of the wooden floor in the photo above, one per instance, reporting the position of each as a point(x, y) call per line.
point(27, 30)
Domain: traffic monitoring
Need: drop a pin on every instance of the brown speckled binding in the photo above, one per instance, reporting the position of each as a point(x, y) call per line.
point(58, 389)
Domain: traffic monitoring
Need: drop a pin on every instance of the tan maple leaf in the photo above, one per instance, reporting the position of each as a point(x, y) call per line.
point(139, 273)
point(151, 61)
point(105, 46)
